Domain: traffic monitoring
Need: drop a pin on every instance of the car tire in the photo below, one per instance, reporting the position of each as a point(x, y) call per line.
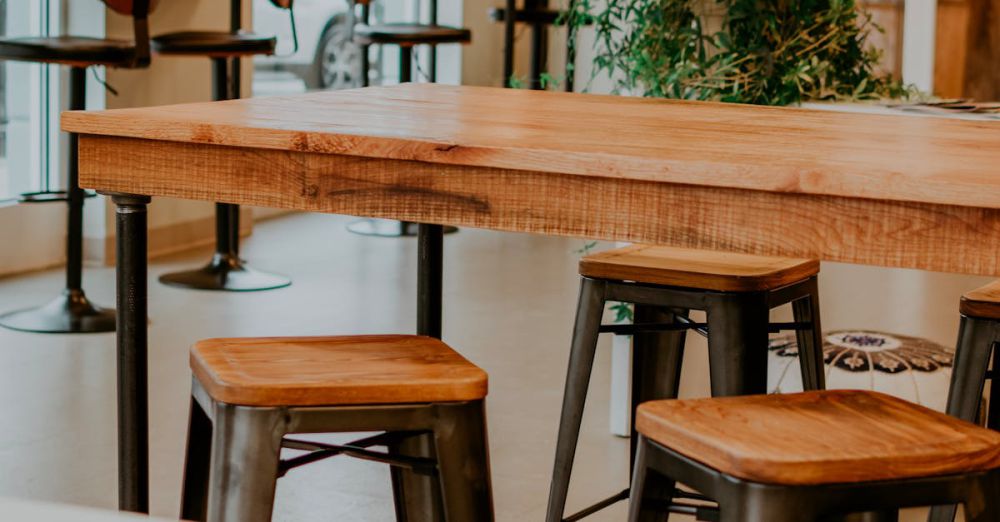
point(337, 61)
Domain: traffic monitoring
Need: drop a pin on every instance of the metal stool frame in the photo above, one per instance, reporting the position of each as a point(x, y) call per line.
point(744, 501)
point(737, 330)
point(438, 453)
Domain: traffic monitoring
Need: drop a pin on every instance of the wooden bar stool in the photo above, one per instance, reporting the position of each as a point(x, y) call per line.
point(978, 335)
point(737, 292)
point(226, 270)
point(248, 394)
point(812, 456)
point(72, 311)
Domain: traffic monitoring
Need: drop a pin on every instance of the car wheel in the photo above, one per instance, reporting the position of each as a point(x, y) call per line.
point(337, 61)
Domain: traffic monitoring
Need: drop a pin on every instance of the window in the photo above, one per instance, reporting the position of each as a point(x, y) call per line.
point(327, 58)
point(29, 96)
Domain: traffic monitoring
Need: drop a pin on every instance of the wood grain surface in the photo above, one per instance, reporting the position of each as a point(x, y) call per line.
point(786, 150)
point(819, 437)
point(944, 238)
point(983, 302)
point(706, 269)
point(333, 371)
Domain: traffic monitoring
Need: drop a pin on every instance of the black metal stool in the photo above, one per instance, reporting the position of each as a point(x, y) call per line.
point(226, 270)
point(248, 394)
point(405, 36)
point(978, 335)
point(736, 291)
point(537, 15)
point(72, 312)
point(773, 458)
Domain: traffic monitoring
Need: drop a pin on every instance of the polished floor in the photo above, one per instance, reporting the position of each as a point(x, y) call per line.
point(509, 302)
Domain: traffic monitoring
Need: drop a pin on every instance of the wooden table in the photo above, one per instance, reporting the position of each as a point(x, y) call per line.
point(859, 188)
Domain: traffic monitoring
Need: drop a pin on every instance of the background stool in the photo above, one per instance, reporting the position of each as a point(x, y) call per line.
point(72, 312)
point(736, 291)
point(226, 270)
point(539, 17)
point(405, 36)
point(249, 393)
point(763, 460)
point(978, 335)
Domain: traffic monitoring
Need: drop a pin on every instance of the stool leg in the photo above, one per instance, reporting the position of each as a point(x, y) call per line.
point(194, 494)
point(810, 341)
point(589, 311)
point(640, 474)
point(656, 374)
point(972, 358)
point(415, 495)
point(984, 506)
point(737, 344)
point(246, 446)
point(464, 463)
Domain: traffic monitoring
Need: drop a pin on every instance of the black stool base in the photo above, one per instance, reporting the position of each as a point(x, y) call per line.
point(226, 273)
point(71, 312)
point(388, 228)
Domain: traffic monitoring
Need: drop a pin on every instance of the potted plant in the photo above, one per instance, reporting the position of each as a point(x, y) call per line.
point(769, 52)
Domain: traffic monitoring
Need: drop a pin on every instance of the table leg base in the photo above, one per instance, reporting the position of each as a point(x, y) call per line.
point(388, 228)
point(71, 312)
point(226, 273)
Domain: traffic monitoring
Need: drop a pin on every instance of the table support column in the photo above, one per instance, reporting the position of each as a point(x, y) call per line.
point(133, 390)
point(430, 254)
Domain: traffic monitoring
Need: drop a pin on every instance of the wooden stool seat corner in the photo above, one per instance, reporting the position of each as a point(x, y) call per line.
point(691, 268)
point(335, 371)
point(824, 437)
point(983, 302)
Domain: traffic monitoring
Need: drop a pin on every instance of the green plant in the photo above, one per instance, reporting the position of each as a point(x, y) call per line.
point(771, 52)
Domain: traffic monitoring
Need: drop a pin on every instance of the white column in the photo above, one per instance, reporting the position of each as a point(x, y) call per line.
point(919, 29)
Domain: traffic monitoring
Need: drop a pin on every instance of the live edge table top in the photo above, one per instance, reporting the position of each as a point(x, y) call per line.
point(875, 189)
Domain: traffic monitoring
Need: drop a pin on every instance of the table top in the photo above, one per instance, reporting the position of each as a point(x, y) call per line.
point(858, 188)
point(929, 160)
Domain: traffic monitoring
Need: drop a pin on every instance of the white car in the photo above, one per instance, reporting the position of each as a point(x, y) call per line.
point(326, 57)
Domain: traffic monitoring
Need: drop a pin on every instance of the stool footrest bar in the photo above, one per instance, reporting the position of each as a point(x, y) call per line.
point(706, 513)
point(357, 449)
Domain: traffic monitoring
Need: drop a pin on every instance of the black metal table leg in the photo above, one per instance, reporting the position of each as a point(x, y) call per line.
point(133, 414)
point(430, 254)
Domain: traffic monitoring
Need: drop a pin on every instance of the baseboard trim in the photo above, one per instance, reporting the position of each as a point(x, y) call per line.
point(166, 240)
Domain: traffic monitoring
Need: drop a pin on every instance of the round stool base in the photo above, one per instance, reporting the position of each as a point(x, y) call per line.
point(71, 312)
point(388, 228)
point(226, 273)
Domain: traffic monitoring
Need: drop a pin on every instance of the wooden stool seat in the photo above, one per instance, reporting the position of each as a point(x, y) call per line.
point(983, 302)
point(824, 437)
point(333, 371)
point(409, 34)
point(686, 267)
point(214, 44)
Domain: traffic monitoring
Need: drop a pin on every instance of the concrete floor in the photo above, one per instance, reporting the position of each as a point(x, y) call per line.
point(509, 301)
